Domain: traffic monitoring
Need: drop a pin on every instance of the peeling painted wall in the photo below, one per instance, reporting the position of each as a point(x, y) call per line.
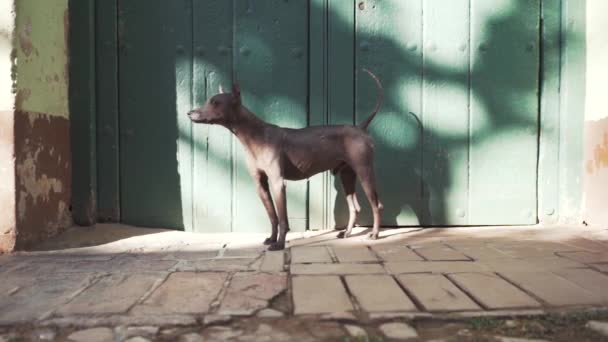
point(7, 162)
point(596, 116)
point(41, 40)
point(42, 167)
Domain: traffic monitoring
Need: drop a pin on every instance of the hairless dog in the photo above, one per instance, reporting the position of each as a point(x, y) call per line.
point(275, 154)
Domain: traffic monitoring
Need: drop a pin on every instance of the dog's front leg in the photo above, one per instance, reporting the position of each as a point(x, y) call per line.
point(263, 190)
point(280, 200)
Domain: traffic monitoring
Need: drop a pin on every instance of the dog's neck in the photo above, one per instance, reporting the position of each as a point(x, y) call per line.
point(247, 127)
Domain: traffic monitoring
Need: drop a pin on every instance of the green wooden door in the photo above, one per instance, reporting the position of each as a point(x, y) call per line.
point(172, 56)
point(456, 139)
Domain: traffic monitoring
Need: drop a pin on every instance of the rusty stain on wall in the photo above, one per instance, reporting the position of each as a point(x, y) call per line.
point(21, 97)
point(596, 171)
point(43, 176)
point(25, 38)
point(596, 136)
point(600, 155)
point(7, 184)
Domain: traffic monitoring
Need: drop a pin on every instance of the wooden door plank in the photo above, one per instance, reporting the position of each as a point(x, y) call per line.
point(212, 145)
point(390, 46)
point(319, 209)
point(446, 102)
point(155, 65)
point(504, 111)
point(340, 91)
point(548, 168)
point(106, 60)
point(271, 64)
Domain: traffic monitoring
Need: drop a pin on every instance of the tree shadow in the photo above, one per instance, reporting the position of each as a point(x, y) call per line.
point(424, 154)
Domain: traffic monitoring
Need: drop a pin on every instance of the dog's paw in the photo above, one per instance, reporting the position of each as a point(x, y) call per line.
point(276, 247)
point(270, 241)
point(373, 236)
point(344, 235)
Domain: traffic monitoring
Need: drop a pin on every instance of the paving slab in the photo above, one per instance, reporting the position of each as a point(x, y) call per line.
point(552, 289)
point(270, 313)
point(531, 250)
point(530, 265)
point(492, 291)
point(54, 267)
point(598, 326)
point(111, 294)
point(434, 267)
point(587, 257)
point(436, 293)
point(314, 254)
point(396, 252)
point(379, 293)
point(398, 331)
point(586, 244)
point(92, 335)
point(121, 319)
point(355, 331)
point(354, 254)
point(28, 298)
point(273, 262)
point(589, 279)
point(319, 294)
point(250, 252)
point(302, 269)
point(601, 267)
point(193, 252)
point(184, 292)
point(133, 264)
point(478, 251)
point(439, 252)
point(228, 264)
point(248, 293)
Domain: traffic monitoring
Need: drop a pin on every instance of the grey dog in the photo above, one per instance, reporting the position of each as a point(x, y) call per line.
point(275, 154)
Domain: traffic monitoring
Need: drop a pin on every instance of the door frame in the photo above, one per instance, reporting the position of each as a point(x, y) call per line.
point(94, 109)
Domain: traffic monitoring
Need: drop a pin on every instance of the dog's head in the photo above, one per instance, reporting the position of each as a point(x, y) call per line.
point(219, 109)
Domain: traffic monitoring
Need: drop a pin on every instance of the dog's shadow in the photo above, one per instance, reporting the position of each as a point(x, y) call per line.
point(406, 204)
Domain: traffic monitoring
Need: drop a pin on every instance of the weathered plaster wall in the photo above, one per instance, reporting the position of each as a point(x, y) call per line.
point(41, 120)
point(7, 163)
point(596, 115)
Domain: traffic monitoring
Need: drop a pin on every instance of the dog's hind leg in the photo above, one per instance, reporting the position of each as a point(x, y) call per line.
point(368, 183)
point(349, 178)
point(261, 182)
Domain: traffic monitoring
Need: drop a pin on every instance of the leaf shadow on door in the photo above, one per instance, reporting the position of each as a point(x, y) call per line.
point(416, 177)
point(419, 177)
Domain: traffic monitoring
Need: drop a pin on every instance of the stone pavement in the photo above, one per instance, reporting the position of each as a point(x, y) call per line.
point(117, 277)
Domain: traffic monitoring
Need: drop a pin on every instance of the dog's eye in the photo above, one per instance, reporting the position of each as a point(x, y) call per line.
point(213, 102)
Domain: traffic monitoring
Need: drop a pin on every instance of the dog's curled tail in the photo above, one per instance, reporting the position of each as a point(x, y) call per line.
point(379, 100)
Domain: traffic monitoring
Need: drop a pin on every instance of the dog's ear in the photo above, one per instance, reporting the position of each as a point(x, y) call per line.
point(236, 92)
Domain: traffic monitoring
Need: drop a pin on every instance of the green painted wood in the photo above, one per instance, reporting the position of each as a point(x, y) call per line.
point(456, 140)
point(391, 48)
point(82, 110)
point(340, 91)
point(445, 98)
point(548, 173)
point(504, 112)
point(319, 208)
point(572, 104)
point(271, 64)
point(213, 188)
point(106, 57)
point(155, 75)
